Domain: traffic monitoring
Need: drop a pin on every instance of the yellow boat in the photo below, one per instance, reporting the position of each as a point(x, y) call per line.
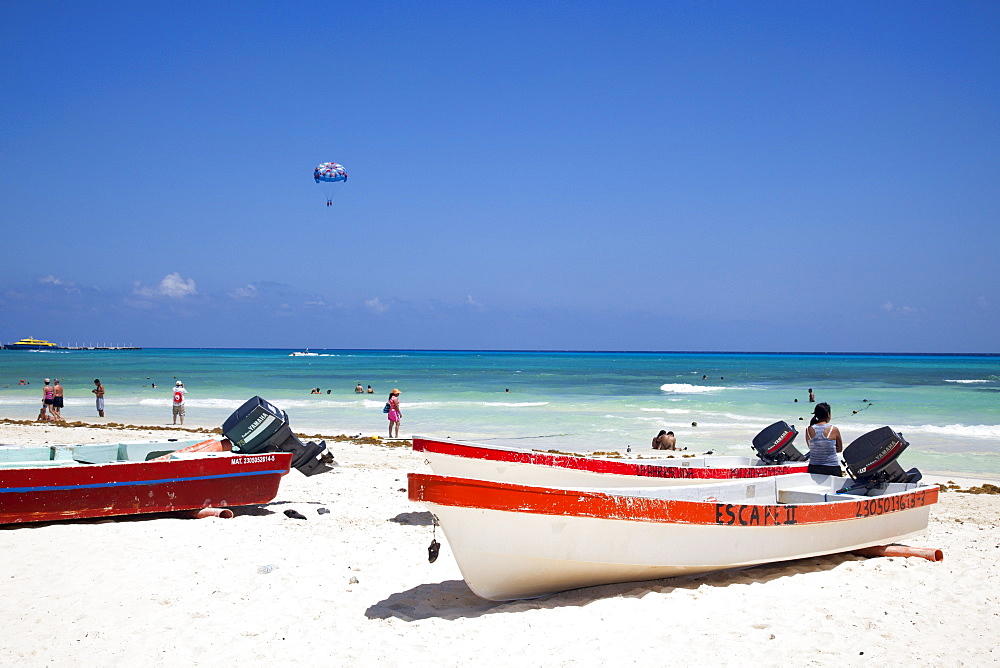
point(32, 344)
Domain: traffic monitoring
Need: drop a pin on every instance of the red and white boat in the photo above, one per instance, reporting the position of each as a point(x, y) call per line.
point(521, 541)
point(776, 456)
point(46, 483)
point(83, 481)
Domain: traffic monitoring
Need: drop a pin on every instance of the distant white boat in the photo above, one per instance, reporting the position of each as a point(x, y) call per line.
point(304, 353)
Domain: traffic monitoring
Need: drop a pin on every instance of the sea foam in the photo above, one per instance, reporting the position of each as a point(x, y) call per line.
point(685, 388)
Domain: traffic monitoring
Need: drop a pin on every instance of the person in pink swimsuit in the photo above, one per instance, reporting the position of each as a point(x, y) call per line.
point(395, 414)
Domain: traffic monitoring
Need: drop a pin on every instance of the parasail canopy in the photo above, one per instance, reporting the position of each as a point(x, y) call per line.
point(330, 172)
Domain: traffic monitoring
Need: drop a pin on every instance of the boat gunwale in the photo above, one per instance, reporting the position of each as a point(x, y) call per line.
point(622, 505)
point(150, 472)
point(597, 465)
point(139, 487)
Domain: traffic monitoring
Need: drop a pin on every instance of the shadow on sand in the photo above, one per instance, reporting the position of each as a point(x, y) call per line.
point(418, 519)
point(452, 599)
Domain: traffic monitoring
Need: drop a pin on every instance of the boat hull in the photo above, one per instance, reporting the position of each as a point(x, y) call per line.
point(188, 482)
point(526, 467)
point(516, 541)
point(32, 344)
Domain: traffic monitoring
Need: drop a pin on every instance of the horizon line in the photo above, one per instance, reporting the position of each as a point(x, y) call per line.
point(592, 351)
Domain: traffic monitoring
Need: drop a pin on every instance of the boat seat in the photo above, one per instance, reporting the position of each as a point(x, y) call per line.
point(754, 490)
point(809, 494)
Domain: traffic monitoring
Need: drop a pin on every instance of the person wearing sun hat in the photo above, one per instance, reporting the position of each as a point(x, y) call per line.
point(48, 393)
point(179, 393)
point(395, 414)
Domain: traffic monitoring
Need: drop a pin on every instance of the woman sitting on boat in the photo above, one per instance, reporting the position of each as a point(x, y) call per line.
point(824, 442)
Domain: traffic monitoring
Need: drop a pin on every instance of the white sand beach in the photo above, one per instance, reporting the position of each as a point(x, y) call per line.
point(354, 587)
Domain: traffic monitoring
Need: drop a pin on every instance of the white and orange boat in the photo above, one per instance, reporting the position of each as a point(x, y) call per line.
point(775, 456)
point(520, 541)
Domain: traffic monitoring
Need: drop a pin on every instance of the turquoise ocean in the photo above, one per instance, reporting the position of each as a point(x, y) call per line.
point(946, 406)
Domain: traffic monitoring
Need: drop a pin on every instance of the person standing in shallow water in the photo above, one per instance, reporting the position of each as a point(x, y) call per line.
point(47, 394)
point(99, 393)
point(824, 442)
point(57, 400)
point(178, 403)
point(395, 414)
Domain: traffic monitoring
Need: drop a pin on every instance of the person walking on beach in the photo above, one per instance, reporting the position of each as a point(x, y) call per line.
point(395, 415)
point(179, 393)
point(99, 393)
point(57, 400)
point(47, 394)
point(824, 442)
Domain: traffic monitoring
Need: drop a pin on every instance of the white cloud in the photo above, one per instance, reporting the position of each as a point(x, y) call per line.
point(172, 286)
point(470, 301)
point(889, 307)
point(376, 305)
point(249, 292)
point(56, 282)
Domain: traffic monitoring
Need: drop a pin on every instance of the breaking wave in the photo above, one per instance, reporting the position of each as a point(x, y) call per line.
point(686, 388)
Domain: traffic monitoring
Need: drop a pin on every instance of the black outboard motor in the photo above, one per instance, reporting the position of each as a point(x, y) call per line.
point(774, 444)
point(258, 426)
point(871, 460)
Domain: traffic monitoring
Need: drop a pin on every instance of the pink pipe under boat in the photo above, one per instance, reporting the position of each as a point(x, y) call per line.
point(224, 513)
point(929, 553)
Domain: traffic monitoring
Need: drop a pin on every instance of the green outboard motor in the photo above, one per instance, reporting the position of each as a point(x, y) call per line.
point(258, 426)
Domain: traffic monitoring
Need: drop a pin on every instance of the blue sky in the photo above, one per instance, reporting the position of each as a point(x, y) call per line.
point(562, 175)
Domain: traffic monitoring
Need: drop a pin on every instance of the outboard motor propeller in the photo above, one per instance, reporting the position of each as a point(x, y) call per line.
point(871, 460)
point(258, 426)
point(774, 444)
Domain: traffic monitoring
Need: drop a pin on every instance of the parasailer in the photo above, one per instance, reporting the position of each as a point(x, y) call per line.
point(329, 173)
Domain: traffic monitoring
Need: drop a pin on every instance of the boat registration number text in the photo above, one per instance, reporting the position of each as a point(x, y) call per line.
point(252, 459)
point(732, 514)
point(880, 505)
